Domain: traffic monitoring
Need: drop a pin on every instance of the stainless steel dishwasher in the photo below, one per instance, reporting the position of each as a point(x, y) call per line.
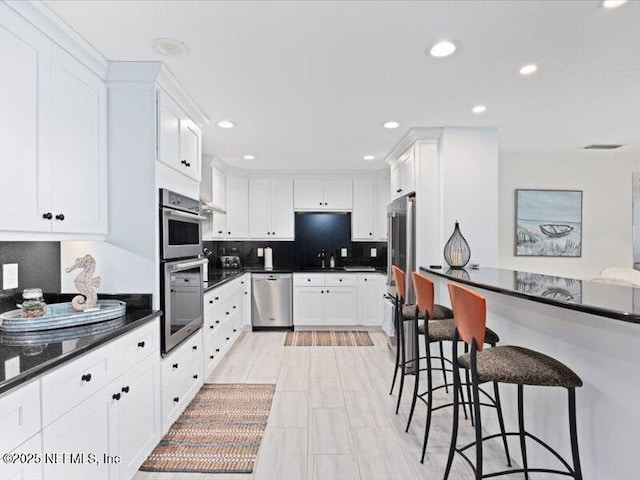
point(271, 305)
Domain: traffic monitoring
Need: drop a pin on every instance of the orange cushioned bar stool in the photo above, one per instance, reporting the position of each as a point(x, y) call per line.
point(405, 313)
point(505, 364)
point(437, 331)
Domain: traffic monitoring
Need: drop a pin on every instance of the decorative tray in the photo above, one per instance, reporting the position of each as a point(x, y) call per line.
point(61, 315)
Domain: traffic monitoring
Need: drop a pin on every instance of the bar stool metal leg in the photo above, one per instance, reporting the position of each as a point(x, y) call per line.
point(427, 425)
point(456, 415)
point(523, 444)
point(496, 391)
point(573, 432)
point(416, 366)
point(395, 323)
point(403, 361)
point(444, 373)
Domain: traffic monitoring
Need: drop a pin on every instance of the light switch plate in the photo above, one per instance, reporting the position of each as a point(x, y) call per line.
point(343, 252)
point(9, 276)
point(374, 252)
point(261, 252)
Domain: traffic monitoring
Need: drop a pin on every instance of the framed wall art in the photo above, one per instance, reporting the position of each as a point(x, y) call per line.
point(548, 223)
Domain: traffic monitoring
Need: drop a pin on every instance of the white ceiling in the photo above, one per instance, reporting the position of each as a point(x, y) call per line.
point(310, 83)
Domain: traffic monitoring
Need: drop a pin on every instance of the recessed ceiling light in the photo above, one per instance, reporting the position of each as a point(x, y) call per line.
point(226, 124)
point(249, 157)
point(391, 124)
point(170, 46)
point(442, 49)
point(611, 4)
point(479, 109)
point(528, 69)
point(369, 157)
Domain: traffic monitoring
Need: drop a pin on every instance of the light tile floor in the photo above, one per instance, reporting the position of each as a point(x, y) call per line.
point(333, 418)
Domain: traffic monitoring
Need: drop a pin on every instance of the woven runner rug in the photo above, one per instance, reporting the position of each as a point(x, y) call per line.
point(331, 338)
point(219, 432)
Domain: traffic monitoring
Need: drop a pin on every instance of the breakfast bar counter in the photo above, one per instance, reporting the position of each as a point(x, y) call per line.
point(592, 327)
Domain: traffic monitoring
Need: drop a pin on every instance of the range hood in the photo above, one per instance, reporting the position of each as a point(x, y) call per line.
point(209, 207)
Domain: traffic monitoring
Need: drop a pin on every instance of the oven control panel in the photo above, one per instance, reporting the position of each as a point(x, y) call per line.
point(179, 202)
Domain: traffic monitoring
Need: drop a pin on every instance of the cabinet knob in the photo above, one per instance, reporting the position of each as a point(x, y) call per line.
point(365, 279)
point(327, 291)
point(220, 232)
point(321, 291)
point(60, 217)
point(175, 365)
point(340, 279)
point(211, 357)
point(234, 330)
point(195, 347)
point(116, 396)
point(245, 293)
point(125, 389)
point(216, 298)
point(273, 233)
point(141, 344)
point(268, 233)
point(86, 378)
point(195, 377)
point(228, 339)
point(398, 190)
point(320, 203)
point(326, 203)
point(47, 216)
point(370, 233)
point(176, 399)
point(308, 279)
point(211, 302)
point(188, 164)
point(211, 327)
point(217, 349)
point(242, 282)
point(228, 233)
point(227, 313)
point(217, 321)
point(234, 307)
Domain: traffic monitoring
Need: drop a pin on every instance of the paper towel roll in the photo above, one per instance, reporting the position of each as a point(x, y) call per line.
point(268, 258)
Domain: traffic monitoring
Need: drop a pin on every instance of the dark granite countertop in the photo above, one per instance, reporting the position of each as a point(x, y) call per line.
point(606, 300)
point(220, 277)
point(24, 356)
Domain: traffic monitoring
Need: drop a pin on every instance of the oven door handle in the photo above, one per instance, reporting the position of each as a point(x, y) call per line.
point(186, 265)
point(191, 216)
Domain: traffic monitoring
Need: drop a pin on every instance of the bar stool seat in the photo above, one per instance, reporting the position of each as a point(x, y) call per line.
point(520, 366)
point(445, 331)
point(440, 312)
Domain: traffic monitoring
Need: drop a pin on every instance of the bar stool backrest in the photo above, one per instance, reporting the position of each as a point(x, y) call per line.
point(425, 294)
point(469, 313)
point(399, 277)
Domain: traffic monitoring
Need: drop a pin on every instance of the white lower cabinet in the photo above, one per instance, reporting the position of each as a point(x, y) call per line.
point(100, 413)
point(337, 299)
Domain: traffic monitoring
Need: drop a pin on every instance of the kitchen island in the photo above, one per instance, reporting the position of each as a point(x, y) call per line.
point(592, 327)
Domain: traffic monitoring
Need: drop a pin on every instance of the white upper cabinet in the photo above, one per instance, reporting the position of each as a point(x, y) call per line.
point(362, 218)
point(402, 174)
point(282, 215)
point(218, 188)
point(78, 154)
point(369, 217)
point(179, 138)
point(237, 207)
point(52, 135)
point(25, 95)
point(323, 195)
point(271, 213)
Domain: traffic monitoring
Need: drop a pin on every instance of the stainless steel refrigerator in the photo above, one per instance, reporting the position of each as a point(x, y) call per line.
point(401, 252)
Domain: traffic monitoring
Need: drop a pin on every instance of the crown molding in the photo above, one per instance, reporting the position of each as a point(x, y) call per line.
point(128, 74)
point(422, 134)
point(45, 20)
point(292, 173)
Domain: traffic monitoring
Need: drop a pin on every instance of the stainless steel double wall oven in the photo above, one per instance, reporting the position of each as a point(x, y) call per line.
point(181, 268)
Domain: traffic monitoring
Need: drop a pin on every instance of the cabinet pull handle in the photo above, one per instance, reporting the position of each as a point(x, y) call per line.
point(195, 347)
point(195, 377)
point(60, 217)
point(188, 164)
point(175, 365)
point(47, 216)
point(220, 232)
point(125, 389)
point(211, 357)
point(217, 349)
point(398, 190)
point(176, 399)
point(116, 396)
point(183, 162)
point(141, 344)
point(217, 298)
point(217, 321)
point(86, 378)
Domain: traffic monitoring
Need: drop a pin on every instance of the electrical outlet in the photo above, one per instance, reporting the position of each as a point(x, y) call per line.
point(374, 252)
point(261, 252)
point(343, 252)
point(9, 276)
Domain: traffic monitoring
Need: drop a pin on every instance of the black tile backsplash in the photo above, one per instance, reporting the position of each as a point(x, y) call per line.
point(38, 267)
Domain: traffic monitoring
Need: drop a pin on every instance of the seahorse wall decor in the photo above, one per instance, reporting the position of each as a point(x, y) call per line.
point(88, 298)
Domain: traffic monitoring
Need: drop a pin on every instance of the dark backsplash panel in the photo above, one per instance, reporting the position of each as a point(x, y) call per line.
point(284, 254)
point(38, 267)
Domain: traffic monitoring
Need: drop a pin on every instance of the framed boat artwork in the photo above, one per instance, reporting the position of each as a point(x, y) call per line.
point(548, 223)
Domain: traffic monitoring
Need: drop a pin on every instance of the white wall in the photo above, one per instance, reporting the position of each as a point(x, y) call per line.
point(604, 178)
